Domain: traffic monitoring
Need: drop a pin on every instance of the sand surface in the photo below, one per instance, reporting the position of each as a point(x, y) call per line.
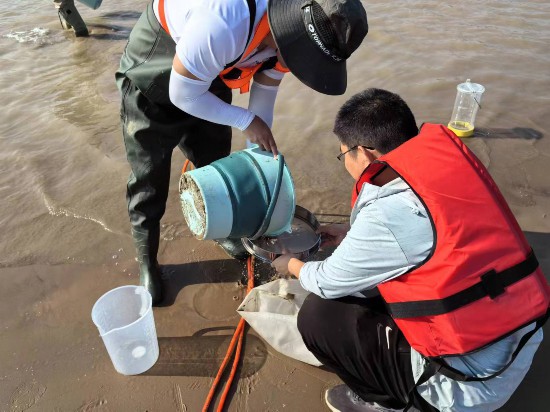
point(53, 359)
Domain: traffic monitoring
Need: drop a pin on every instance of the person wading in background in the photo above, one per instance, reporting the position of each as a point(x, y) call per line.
point(70, 18)
point(176, 75)
point(461, 299)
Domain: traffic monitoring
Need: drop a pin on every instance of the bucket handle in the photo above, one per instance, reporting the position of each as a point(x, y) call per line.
point(274, 198)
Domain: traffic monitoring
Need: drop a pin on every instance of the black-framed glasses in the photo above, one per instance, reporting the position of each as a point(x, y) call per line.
point(342, 154)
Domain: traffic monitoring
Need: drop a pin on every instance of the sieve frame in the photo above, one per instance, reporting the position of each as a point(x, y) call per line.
point(267, 256)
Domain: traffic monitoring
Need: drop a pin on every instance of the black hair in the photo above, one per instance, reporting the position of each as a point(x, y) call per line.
point(375, 118)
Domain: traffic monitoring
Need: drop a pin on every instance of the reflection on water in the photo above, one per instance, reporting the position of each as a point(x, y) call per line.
point(62, 149)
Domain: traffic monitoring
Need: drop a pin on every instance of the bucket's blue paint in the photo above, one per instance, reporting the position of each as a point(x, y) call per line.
point(248, 192)
point(239, 208)
point(94, 4)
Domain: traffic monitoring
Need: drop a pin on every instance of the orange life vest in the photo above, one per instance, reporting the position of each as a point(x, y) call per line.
point(238, 78)
point(481, 281)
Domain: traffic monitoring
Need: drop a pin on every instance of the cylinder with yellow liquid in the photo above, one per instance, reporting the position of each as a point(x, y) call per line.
point(467, 103)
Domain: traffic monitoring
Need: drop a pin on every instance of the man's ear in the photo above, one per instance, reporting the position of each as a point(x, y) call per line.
point(371, 155)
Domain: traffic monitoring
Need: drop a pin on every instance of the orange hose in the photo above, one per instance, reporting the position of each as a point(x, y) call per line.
point(236, 360)
point(186, 165)
point(238, 337)
point(222, 367)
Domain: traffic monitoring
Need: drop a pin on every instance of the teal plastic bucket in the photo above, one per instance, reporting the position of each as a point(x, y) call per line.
point(94, 4)
point(231, 197)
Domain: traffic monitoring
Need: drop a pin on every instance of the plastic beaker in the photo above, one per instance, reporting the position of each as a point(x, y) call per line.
point(467, 103)
point(124, 317)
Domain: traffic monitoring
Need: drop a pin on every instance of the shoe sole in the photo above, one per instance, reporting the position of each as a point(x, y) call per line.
point(367, 408)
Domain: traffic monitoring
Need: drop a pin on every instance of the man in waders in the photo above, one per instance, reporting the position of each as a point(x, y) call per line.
point(433, 298)
point(176, 75)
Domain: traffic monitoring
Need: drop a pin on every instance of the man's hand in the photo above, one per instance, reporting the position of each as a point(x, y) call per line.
point(332, 235)
point(260, 133)
point(281, 264)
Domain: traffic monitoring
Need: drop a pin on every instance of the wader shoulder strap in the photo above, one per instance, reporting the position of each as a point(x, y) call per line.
point(162, 16)
point(440, 366)
point(252, 9)
point(491, 284)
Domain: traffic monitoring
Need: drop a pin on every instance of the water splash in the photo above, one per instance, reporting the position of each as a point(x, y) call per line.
point(59, 211)
point(36, 35)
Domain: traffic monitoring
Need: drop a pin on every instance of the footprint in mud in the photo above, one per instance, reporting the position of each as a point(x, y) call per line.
point(217, 301)
point(92, 406)
point(26, 396)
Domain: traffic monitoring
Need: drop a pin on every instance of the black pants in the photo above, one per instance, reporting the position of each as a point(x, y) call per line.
point(360, 342)
point(152, 127)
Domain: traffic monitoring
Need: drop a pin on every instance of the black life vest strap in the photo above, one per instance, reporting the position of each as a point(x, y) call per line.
point(252, 10)
point(492, 284)
point(430, 370)
point(438, 365)
point(235, 72)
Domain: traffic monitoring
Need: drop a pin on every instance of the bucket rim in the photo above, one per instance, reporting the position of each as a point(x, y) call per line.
point(268, 256)
point(149, 308)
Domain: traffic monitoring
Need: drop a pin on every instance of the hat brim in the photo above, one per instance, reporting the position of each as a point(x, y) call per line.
point(302, 57)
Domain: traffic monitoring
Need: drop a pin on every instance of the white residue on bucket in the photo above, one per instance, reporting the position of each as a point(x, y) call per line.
point(192, 216)
point(35, 35)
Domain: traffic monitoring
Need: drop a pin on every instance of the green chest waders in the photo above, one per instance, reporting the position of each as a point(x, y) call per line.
point(152, 127)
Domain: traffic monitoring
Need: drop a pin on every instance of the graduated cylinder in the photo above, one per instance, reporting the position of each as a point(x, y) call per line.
point(231, 197)
point(467, 103)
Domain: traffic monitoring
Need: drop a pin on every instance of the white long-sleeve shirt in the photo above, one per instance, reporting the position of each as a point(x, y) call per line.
point(210, 34)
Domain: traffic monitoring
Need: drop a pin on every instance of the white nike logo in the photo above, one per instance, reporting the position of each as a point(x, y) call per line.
point(388, 330)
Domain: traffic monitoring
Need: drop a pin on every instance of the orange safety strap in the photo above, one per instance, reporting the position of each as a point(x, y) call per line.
point(243, 82)
point(162, 16)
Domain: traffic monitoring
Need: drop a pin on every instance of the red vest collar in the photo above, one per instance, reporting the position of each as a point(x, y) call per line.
point(370, 172)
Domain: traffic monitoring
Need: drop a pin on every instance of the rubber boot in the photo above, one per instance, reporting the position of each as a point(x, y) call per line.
point(234, 248)
point(70, 18)
point(147, 245)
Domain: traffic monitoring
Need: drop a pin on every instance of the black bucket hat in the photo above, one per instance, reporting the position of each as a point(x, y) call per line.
point(315, 37)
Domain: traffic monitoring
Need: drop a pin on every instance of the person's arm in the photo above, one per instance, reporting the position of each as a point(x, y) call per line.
point(368, 255)
point(197, 62)
point(190, 94)
point(331, 235)
point(288, 265)
point(262, 97)
point(371, 253)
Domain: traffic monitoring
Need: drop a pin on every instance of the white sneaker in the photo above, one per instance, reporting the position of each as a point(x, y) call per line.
point(342, 399)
